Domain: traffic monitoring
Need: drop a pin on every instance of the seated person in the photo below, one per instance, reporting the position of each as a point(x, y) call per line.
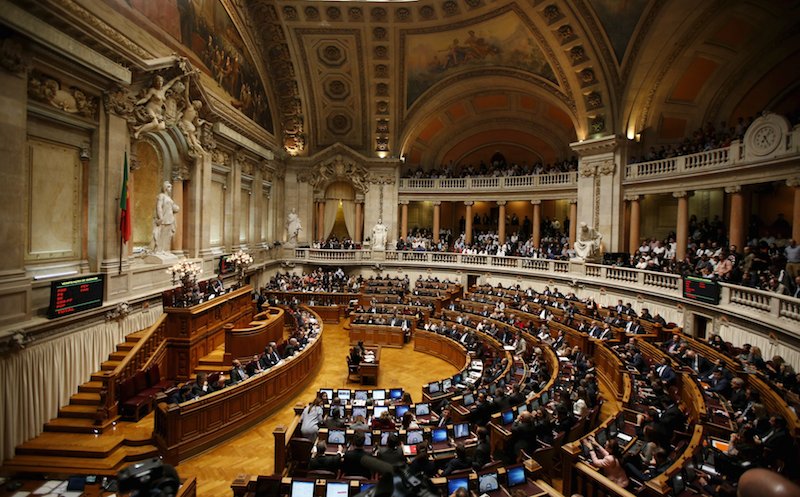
point(393, 452)
point(459, 462)
point(351, 462)
point(608, 459)
point(322, 461)
point(238, 372)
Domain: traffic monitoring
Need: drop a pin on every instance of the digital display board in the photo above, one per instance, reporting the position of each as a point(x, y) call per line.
point(76, 294)
point(701, 289)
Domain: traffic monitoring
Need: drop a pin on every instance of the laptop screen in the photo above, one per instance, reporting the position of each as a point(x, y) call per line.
point(378, 410)
point(336, 437)
point(385, 437)
point(379, 395)
point(302, 488)
point(508, 417)
point(457, 378)
point(328, 392)
point(522, 408)
point(434, 387)
point(400, 411)
point(422, 409)
point(343, 394)
point(446, 384)
point(488, 482)
point(396, 393)
point(413, 437)
point(360, 395)
point(336, 489)
point(461, 430)
point(360, 411)
point(367, 439)
point(469, 399)
point(516, 475)
point(365, 486)
point(439, 435)
point(454, 484)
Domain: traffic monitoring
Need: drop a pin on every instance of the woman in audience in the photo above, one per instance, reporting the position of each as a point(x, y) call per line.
point(607, 459)
point(311, 418)
point(383, 422)
point(359, 424)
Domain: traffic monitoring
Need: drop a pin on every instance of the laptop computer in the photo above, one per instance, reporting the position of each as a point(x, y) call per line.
point(507, 417)
point(336, 437)
point(360, 411)
point(378, 410)
point(380, 395)
point(454, 484)
point(461, 431)
point(468, 400)
point(413, 437)
point(439, 438)
point(434, 387)
point(489, 484)
point(302, 488)
point(422, 409)
point(360, 395)
point(517, 479)
point(394, 393)
point(337, 489)
point(343, 394)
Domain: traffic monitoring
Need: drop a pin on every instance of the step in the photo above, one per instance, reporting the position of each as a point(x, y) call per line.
point(125, 346)
point(71, 445)
point(141, 452)
point(67, 465)
point(211, 368)
point(78, 425)
point(110, 365)
point(118, 356)
point(84, 398)
point(78, 411)
point(91, 387)
point(100, 375)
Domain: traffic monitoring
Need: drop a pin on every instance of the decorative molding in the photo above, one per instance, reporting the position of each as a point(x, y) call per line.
point(606, 167)
point(337, 168)
point(12, 58)
point(72, 100)
point(587, 169)
point(793, 182)
point(733, 189)
point(112, 33)
point(681, 194)
point(632, 197)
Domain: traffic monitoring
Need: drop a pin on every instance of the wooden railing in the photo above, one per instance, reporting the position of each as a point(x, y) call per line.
point(266, 327)
point(136, 360)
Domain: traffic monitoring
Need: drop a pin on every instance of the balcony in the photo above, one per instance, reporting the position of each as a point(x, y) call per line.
point(494, 185)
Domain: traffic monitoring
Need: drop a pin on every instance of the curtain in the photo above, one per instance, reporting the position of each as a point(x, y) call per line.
point(331, 206)
point(349, 210)
point(39, 379)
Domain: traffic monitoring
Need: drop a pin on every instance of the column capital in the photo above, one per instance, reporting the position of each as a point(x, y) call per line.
point(632, 198)
point(573, 201)
point(469, 203)
point(437, 202)
point(501, 202)
point(681, 194)
point(733, 189)
point(795, 182)
point(536, 202)
point(404, 202)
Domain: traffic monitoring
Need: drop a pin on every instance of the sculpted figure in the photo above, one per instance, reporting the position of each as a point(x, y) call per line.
point(153, 101)
point(164, 220)
point(587, 245)
point(293, 228)
point(379, 232)
point(190, 123)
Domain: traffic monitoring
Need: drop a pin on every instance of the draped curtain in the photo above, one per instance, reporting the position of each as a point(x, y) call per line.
point(331, 206)
point(349, 211)
point(336, 192)
point(39, 379)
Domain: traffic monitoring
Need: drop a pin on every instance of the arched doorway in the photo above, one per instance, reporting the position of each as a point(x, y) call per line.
point(340, 211)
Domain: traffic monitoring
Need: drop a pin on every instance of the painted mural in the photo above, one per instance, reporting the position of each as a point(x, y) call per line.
point(502, 41)
point(205, 28)
point(619, 18)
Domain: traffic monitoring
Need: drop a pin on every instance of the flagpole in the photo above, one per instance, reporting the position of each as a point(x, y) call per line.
point(121, 243)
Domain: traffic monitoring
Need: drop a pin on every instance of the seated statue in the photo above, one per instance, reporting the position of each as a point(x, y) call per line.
point(587, 245)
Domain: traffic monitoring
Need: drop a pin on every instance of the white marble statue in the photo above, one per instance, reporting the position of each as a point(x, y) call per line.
point(293, 228)
point(379, 232)
point(153, 101)
point(587, 245)
point(164, 220)
point(190, 123)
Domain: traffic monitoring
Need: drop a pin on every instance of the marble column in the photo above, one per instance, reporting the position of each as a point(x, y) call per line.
point(573, 219)
point(537, 223)
point(359, 229)
point(633, 243)
point(501, 221)
point(437, 214)
point(736, 224)
point(682, 228)
point(468, 218)
point(795, 183)
point(404, 220)
point(178, 198)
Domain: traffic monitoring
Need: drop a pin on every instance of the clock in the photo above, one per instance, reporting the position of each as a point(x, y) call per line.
point(764, 140)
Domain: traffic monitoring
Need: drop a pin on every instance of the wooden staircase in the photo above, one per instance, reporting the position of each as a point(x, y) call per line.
point(213, 362)
point(78, 441)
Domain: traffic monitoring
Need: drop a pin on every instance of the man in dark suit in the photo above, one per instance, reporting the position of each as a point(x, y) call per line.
point(665, 371)
point(393, 452)
point(459, 462)
point(776, 442)
point(322, 461)
point(238, 373)
point(516, 398)
point(698, 363)
point(523, 434)
point(483, 451)
point(719, 384)
point(634, 327)
point(351, 462)
point(672, 418)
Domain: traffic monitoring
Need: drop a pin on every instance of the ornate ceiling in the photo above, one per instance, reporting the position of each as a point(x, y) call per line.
point(441, 80)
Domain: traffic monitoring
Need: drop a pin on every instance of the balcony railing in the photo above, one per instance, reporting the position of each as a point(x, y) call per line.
point(780, 310)
point(492, 183)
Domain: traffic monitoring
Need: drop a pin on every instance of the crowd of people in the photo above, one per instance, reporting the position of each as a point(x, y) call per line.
point(497, 166)
point(319, 280)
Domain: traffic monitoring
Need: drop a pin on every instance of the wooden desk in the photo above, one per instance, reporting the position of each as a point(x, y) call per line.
point(242, 342)
point(369, 370)
point(377, 334)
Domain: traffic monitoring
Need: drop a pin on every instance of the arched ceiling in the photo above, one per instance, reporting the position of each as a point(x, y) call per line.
point(441, 80)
